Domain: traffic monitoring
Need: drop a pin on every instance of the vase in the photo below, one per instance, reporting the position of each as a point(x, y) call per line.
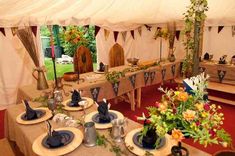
point(179, 150)
point(41, 80)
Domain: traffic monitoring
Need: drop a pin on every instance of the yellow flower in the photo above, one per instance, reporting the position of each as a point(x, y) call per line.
point(176, 93)
point(189, 115)
point(199, 106)
point(177, 135)
point(183, 96)
point(204, 114)
point(163, 107)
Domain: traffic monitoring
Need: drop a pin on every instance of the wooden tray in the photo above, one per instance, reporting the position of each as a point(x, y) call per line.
point(47, 116)
point(88, 118)
point(165, 150)
point(66, 107)
point(39, 149)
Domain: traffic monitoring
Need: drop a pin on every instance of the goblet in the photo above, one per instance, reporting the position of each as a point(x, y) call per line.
point(51, 104)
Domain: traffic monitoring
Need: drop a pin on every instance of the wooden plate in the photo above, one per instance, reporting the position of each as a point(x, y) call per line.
point(88, 118)
point(89, 104)
point(165, 150)
point(45, 117)
point(39, 149)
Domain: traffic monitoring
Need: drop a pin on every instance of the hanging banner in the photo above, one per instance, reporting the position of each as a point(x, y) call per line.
point(221, 75)
point(132, 79)
point(97, 29)
point(14, 30)
point(124, 35)
point(34, 30)
point(209, 28)
point(86, 26)
point(152, 76)
point(173, 70)
point(116, 87)
point(233, 31)
point(95, 93)
point(220, 28)
point(3, 31)
point(64, 28)
point(115, 34)
point(106, 34)
point(177, 34)
point(148, 27)
point(146, 77)
point(163, 74)
point(202, 69)
point(133, 34)
point(140, 30)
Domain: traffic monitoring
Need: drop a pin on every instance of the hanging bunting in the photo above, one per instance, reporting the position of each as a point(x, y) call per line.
point(116, 87)
point(173, 70)
point(34, 30)
point(133, 34)
point(221, 75)
point(124, 35)
point(152, 76)
point(132, 78)
point(64, 28)
point(115, 34)
point(148, 27)
point(95, 93)
point(14, 30)
point(97, 29)
point(202, 69)
point(146, 77)
point(177, 34)
point(209, 28)
point(163, 74)
point(3, 31)
point(233, 31)
point(220, 28)
point(106, 34)
point(86, 26)
point(140, 30)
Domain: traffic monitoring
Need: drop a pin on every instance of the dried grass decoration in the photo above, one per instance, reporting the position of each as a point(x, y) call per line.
point(27, 38)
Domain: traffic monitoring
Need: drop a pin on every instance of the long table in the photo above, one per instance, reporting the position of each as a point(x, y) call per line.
point(24, 135)
point(100, 88)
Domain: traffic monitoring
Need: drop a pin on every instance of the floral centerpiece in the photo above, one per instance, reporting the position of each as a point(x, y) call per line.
point(182, 114)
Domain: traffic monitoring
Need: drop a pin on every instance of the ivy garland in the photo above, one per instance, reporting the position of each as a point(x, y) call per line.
point(195, 13)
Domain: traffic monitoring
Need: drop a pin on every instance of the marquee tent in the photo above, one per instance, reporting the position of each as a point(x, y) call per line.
point(114, 15)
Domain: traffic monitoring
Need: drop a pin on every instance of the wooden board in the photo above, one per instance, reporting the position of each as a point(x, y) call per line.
point(47, 116)
point(39, 149)
point(116, 56)
point(90, 102)
point(82, 60)
point(88, 118)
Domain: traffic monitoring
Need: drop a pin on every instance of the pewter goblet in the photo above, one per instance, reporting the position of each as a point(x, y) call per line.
point(51, 104)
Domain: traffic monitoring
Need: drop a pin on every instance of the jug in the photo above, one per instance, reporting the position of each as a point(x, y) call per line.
point(118, 129)
point(89, 134)
point(41, 80)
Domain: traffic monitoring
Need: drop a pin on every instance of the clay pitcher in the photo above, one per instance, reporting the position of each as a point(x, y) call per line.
point(41, 80)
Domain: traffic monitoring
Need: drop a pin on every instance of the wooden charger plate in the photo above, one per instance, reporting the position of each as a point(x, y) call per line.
point(45, 117)
point(90, 102)
point(88, 118)
point(165, 150)
point(39, 149)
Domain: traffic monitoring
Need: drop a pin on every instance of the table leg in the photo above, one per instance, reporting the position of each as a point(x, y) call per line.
point(138, 97)
point(131, 96)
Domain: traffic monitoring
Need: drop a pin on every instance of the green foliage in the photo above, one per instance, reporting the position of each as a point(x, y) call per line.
point(114, 76)
point(44, 31)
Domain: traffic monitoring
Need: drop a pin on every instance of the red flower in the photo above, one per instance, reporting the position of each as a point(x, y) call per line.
point(212, 132)
point(147, 121)
point(207, 107)
point(198, 123)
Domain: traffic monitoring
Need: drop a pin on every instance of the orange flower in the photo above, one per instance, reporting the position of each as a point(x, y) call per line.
point(199, 106)
point(183, 96)
point(177, 135)
point(163, 107)
point(189, 115)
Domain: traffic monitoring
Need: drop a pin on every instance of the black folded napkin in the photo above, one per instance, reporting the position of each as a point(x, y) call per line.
point(149, 139)
point(206, 56)
point(101, 67)
point(103, 110)
point(76, 98)
point(30, 113)
point(55, 139)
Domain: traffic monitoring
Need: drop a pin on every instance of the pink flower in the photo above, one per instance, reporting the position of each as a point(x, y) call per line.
point(212, 132)
point(157, 104)
point(207, 107)
point(198, 123)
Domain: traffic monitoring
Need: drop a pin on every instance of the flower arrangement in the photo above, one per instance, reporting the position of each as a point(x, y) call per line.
point(181, 115)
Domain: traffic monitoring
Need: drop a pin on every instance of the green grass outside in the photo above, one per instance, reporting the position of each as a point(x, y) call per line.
point(60, 68)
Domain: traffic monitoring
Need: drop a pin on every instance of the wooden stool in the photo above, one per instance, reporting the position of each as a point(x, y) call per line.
point(6, 148)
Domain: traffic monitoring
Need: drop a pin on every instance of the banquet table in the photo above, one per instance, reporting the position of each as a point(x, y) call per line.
point(24, 135)
point(104, 89)
point(222, 73)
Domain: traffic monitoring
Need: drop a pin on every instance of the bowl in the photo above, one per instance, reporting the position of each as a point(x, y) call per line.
point(132, 61)
point(71, 76)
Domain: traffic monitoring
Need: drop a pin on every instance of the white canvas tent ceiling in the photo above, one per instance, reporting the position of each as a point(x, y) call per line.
point(110, 14)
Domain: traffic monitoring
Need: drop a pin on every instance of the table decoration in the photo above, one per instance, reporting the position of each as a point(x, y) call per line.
point(187, 114)
point(118, 129)
point(39, 149)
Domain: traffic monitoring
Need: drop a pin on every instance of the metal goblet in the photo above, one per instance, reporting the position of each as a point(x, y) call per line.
point(51, 104)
